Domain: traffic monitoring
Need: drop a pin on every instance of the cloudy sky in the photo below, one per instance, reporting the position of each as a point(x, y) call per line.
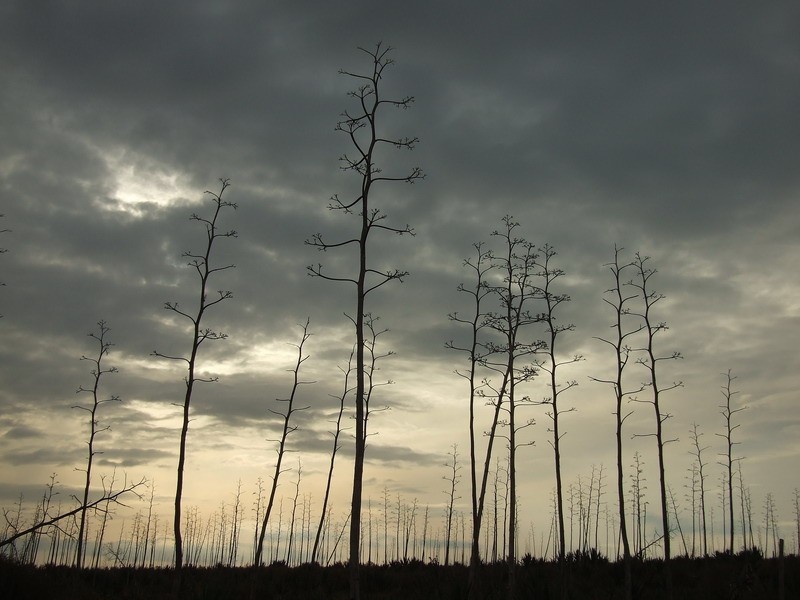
point(669, 130)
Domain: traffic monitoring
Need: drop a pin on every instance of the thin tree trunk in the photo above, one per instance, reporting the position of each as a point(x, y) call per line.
point(334, 450)
point(97, 373)
point(621, 353)
point(651, 361)
point(285, 432)
point(201, 263)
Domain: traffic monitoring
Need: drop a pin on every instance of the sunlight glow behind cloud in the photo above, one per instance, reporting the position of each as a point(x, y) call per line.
point(141, 185)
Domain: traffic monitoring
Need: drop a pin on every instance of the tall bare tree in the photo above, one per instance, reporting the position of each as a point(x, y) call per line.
point(515, 293)
point(480, 265)
point(727, 411)
point(651, 361)
point(619, 301)
point(202, 264)
point(639, 505)
point(338, 422)
point(452, 478)
point(370, 342)
point(98, 370)
point(743, 501)
point(550, 274)
point(287, 429)
point(697, 451)
point(362, 128)
point(290, 538)
point(236, 526)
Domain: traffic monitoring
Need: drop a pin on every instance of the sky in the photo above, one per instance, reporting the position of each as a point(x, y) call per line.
point(670, 130)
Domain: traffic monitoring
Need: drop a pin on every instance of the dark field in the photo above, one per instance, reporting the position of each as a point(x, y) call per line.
point(721, 577)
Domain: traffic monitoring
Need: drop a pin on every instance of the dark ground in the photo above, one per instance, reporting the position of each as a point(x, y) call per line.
point(723, 577)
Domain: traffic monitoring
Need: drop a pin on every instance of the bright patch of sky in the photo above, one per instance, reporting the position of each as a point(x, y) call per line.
point(141, 185)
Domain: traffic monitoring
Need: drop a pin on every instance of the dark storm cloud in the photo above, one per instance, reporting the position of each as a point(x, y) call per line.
point(12, 492)
point(639, 111)
point(45, 455)
point(20, 432)
point(176, 85)
point(134, 457)
point(398, 455)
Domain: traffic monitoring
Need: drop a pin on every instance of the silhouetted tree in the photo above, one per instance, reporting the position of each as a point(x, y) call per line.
point(517, 263)
point(409, 518)
point(619, 343)
point(476, 321)
point(651, 360)
point(452, 478)
point(385, 525)
point(742, 495)
point(97, 373)
point(796, 503)
point(698, 454)
point(598, 497)
point(549, 275)
point(257, 508)
point(677, 519)
point(727, 412)
point(638, 505)
point(398, 516)
point(770, 525)
point(290, 539)
point(723, 500)
point(362, 128)
point(425, 533)
point(236, 526)
point(105, 512)
point(43, 519)
point(338, 422)
point(286, 430)
point(371, 358)
point(146, 533)
point(201, 263)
